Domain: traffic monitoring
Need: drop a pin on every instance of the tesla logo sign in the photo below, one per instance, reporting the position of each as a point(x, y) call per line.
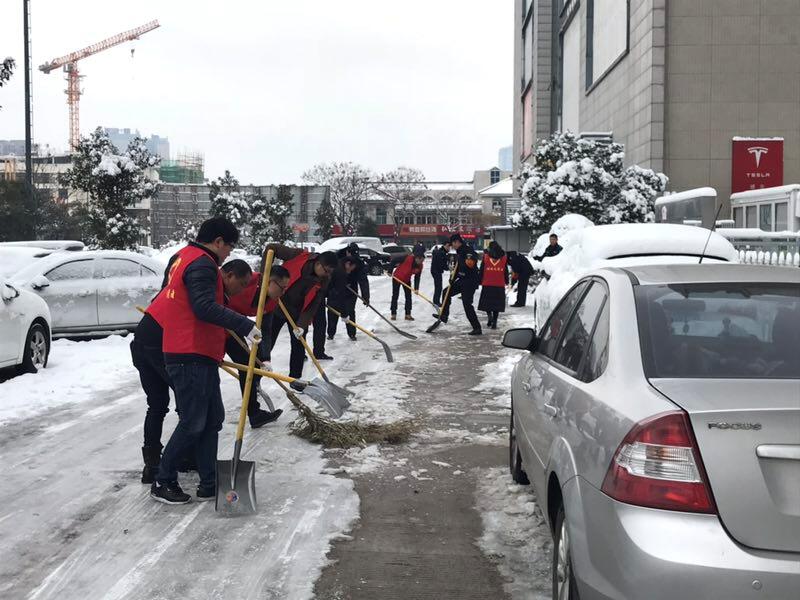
point(757, 163)
point(757, 151)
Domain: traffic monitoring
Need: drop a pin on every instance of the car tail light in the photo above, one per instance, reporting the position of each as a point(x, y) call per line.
point(658, 465)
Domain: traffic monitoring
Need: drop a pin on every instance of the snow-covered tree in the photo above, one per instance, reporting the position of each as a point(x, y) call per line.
point(402, 191)
point(185, 231)
point(227, 201)
point(349, 186)
point(113, 182)
point(6, 69)
point(325, 219)
point(269, 219)
point(587, 177)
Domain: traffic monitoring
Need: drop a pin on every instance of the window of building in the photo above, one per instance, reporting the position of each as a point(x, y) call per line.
point(494, 176)
point(380, 216)
point(408, 219)
point(765, 217)
point(607, 36)
point(527, 54)
point(751, 219)
point(528, 126)
point(738, 216)
point(571, 77)
point(781, 216)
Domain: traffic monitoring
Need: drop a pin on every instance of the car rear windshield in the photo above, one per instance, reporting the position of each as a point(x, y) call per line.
point(730, 330)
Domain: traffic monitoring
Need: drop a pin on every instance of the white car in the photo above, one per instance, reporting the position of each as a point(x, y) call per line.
point(625, 245)
point(24, 329)
point(92, 292)
point(337, 243)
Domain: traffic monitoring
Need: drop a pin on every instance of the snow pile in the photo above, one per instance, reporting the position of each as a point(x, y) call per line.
point(622, 245)
point(515, 534)
point(562, 227)
point(76, 372)
point(6, 291)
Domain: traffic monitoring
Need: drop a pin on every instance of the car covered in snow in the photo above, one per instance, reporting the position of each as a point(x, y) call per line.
point(24, 329)
point(92, 292)
point(657, 416)
point(591, 247)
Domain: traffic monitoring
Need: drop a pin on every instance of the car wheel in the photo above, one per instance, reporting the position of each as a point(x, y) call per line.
point(37, 349)
point(564, 587)
point(376, 270)
point(514, 457)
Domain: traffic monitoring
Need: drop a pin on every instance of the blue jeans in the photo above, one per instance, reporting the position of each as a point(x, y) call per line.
point(200, 416)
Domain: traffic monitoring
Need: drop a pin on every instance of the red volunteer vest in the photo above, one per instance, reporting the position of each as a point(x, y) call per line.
point(295, 267)
point(406, 269)
point(184, 333)
point(494, 270)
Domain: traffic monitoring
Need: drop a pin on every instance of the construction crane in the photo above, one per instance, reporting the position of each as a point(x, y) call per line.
point(70, 64)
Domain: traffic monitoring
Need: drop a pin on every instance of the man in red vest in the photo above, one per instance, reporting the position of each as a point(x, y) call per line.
point(148, 358)
point(246, 304)
point(192, 313)
point(309, 274)
point(494, 278)
point(411, 265)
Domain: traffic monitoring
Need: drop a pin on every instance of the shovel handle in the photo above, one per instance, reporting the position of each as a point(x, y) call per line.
point(353, 323)
point(251, 364)
point(447, 295)
point(417, 292)
point(262, 372)
point(302, 340)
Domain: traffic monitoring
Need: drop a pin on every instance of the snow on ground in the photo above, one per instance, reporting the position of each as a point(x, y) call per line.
point(77, 372)
point(515, 534)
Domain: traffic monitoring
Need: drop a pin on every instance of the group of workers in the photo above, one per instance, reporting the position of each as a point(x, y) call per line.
point(203, 312)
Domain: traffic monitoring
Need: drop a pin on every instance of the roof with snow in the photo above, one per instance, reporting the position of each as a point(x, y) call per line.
point(703, 192)
point(503, 188)
point(765, 193)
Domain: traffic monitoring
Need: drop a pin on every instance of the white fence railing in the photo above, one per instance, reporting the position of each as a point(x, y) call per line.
point(762, 257)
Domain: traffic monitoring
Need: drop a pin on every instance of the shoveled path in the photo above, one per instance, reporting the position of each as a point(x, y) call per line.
point(417, 534)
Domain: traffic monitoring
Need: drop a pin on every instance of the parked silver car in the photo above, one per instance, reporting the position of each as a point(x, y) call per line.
point(92, 292)
point(657, 415)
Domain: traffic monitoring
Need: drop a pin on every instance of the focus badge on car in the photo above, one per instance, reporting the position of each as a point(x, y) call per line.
point(736, 426)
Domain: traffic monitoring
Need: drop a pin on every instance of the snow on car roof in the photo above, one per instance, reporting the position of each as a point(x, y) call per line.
point(712, 273)
point(15, 258)
point(32, 269)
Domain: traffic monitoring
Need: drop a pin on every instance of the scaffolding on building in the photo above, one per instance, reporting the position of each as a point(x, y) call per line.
point(188, 167)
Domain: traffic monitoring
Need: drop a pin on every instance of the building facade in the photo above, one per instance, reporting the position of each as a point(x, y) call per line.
point(157, 145)
point(441, 208)
point(177, 203)
point(675, 81)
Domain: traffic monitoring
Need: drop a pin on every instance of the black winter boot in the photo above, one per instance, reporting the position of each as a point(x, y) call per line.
point(152, 458)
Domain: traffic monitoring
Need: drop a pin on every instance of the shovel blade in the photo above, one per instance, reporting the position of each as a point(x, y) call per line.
point(387, 350)
point(240, 498)
point(329, 396)
point(433, 327)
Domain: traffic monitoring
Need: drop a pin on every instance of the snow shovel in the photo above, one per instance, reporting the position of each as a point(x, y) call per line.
point(386, 348)
point(342, 391)
point(327, 395)
point(375, 310)
point(438, 322)
point(236, 478)
point(417, 292)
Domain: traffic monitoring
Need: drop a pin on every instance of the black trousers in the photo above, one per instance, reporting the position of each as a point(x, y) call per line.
point(318, 329)
point(149, 361)
point(437, 287)
point(297, 351)
point(522, 289)
point(396, 285)
point(467, 299)
point(348, 310)
point(239, 355)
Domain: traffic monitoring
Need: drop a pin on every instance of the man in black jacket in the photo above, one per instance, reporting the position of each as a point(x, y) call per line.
point(191, 311)
point(552, 249)
point(356, 280)
point(340, 298)
point(466, 283)
point(521, 270)
point(440, 258)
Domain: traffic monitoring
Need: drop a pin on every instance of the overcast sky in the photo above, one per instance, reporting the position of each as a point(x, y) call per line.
point(267, 88)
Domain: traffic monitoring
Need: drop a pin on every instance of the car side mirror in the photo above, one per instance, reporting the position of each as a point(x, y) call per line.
point(10, 292)
point(40, 282)
point(523, 338)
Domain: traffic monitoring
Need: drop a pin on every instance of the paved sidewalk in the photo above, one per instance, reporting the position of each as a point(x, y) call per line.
point(417, 534)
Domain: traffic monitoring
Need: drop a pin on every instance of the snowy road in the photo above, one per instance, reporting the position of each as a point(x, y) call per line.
point(75, 521)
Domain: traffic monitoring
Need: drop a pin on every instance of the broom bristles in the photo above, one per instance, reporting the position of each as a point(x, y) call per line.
point(348, 434)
